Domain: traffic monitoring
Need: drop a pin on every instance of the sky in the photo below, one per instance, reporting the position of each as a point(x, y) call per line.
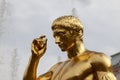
point(28, 19)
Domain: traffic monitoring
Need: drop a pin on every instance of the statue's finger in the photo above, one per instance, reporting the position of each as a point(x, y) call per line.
point(42, 36)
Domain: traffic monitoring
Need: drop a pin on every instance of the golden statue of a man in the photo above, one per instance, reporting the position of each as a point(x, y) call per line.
point(82, 64)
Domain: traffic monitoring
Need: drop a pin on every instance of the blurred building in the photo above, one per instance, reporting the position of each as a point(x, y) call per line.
point(116, 64)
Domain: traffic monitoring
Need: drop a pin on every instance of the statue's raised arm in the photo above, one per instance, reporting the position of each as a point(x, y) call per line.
point(38, 48)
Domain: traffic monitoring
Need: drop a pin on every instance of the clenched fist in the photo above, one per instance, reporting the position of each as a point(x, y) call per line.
point(39, 46)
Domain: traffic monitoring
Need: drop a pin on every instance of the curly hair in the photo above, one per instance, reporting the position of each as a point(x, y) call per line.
point(68, 22)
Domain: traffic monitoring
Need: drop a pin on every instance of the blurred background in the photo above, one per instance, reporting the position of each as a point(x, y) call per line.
point(23, 20)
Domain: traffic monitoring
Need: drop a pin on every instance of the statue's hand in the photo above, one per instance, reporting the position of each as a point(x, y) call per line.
point(39, 46)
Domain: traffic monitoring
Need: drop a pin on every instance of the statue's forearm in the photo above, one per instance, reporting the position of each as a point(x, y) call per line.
point(31, 70)
point(106, 75)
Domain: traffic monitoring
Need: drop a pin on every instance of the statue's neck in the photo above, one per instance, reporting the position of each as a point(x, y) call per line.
point(76, 50)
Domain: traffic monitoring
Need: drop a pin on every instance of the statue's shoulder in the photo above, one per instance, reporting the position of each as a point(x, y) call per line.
point(58, 65)
point(55, 66)
point(95, 53)
point(99, 57)
point(48, 75)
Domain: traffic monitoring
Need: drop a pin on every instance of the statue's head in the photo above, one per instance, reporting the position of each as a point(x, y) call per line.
point(68, 33)
point(68, 22)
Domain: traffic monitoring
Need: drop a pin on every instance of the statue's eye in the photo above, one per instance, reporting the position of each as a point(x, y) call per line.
point(61, 33)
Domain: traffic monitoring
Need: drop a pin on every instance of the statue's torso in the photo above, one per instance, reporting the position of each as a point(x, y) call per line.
point(75, 69)
point(93, 66)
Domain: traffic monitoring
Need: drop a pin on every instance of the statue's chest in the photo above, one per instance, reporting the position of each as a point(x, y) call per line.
point(72, 70)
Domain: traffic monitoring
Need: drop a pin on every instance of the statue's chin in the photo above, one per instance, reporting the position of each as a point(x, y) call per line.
point(63, 50)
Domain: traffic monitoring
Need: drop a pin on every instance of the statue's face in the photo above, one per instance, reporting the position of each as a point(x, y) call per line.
point(63, 38)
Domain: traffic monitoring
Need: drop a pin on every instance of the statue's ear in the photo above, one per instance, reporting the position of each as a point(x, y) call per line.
point(80, 33)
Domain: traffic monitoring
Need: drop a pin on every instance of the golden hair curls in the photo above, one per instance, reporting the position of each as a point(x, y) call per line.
point(68, 22)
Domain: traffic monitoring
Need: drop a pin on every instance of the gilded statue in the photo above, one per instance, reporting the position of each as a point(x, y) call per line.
point(82, 64)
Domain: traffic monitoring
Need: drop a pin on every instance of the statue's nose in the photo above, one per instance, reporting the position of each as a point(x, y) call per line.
point(57, 40)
